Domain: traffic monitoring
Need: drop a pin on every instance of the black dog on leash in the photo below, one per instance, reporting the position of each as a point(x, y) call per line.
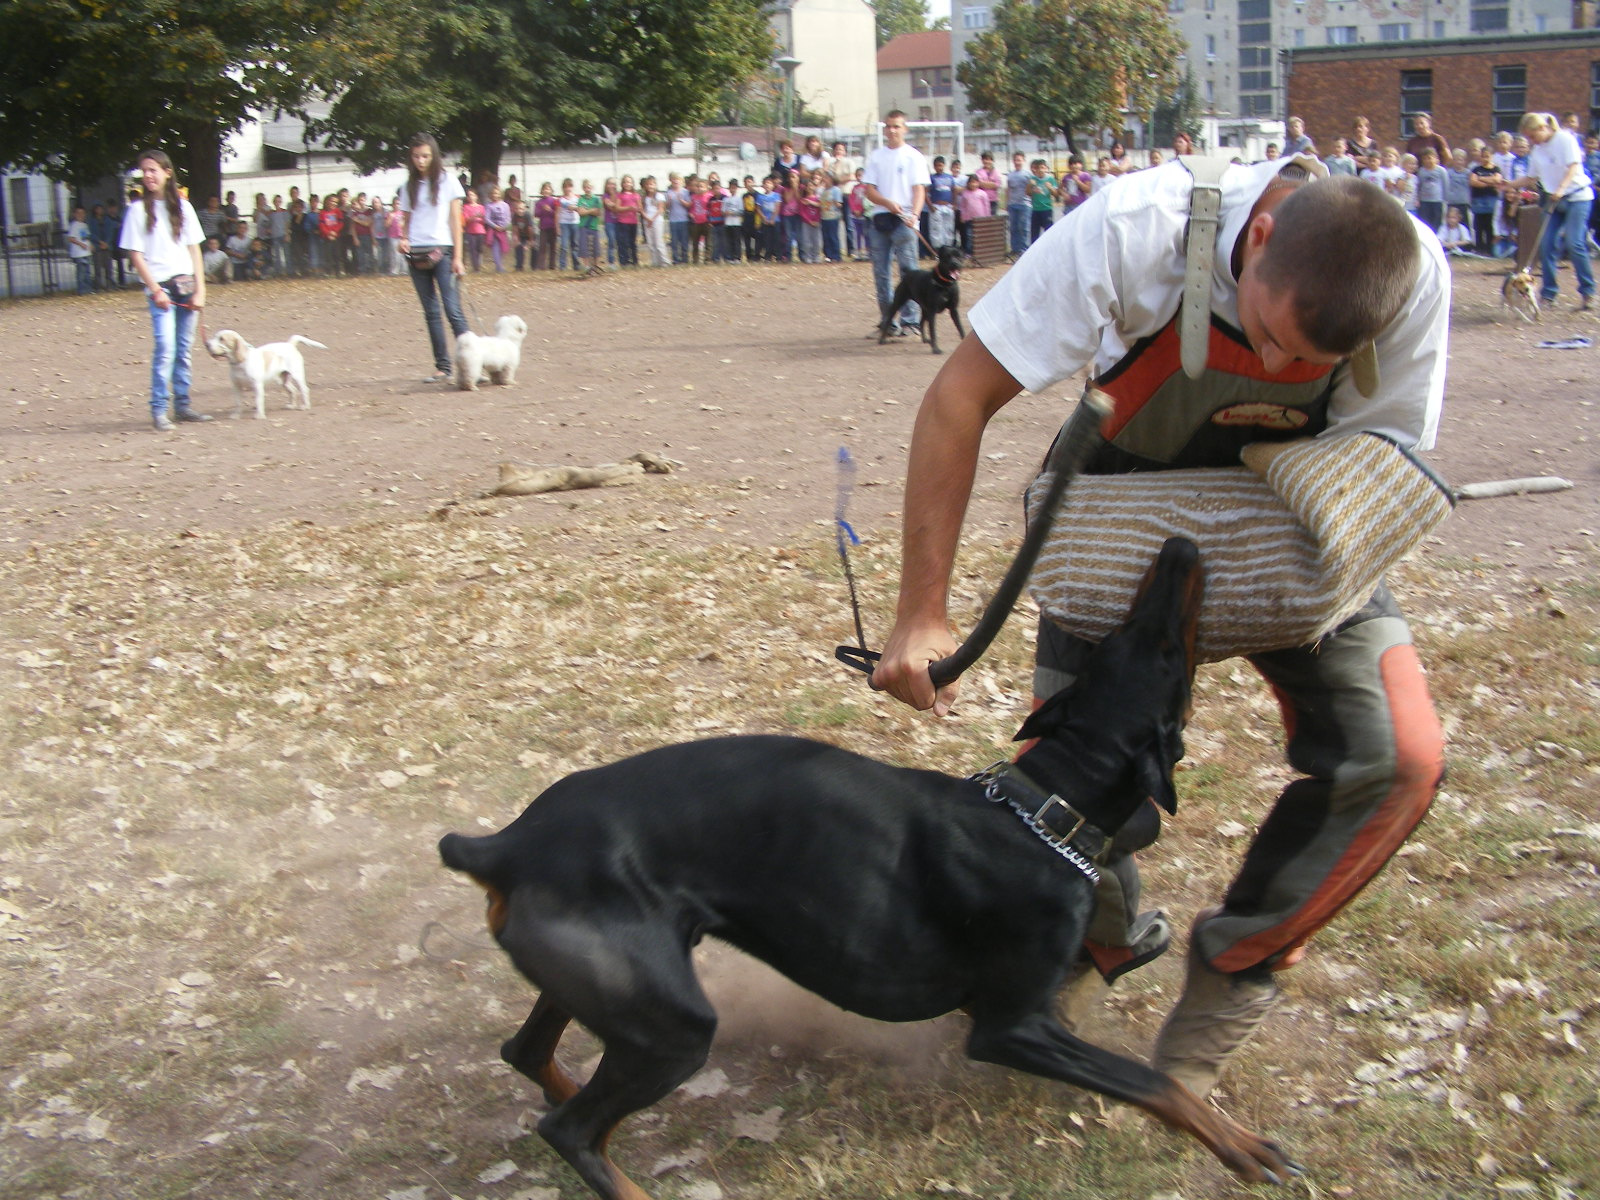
point(935, 291)
point(896, 893)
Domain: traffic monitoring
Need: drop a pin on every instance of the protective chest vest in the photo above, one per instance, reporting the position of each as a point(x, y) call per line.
point(1163, 419)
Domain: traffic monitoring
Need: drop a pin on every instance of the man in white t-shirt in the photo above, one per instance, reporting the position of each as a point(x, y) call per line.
point(897, 187)
point(1312, 280)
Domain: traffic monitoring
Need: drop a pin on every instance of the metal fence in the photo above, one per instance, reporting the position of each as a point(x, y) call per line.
point(34, 262)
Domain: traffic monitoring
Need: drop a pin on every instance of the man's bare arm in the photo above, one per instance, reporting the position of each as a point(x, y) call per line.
point(968, 390)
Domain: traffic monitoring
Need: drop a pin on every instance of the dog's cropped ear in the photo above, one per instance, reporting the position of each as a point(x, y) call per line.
point(1046, 719)
point(1152, 769)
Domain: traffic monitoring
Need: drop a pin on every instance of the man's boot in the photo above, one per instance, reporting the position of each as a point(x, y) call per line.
point(1088, 983)
point(1217, 1014)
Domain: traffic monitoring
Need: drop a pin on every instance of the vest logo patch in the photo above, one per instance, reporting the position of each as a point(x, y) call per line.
point(1259, 413)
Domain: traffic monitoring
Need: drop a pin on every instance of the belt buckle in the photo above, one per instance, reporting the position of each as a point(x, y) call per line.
point(1039, 816)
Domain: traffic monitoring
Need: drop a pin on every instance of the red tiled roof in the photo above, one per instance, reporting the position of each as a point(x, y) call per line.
point(909, 50)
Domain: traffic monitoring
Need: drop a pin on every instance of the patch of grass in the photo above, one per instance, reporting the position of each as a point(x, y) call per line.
point(253, 793)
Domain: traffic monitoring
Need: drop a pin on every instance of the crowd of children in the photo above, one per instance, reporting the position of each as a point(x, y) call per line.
point(811, 207)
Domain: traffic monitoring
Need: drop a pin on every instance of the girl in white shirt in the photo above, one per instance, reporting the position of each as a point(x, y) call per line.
point(1555, 160)
point(162, 237)
point(430, 240)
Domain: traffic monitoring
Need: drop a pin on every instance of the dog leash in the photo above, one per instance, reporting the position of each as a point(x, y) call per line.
point(461, 286)
point(201, 334)
point(1079, 438)
point(859, 655)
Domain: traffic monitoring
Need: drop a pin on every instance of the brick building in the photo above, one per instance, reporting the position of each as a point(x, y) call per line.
point(1471, 86)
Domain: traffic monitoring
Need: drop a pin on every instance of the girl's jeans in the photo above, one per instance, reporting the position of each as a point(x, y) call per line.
point(169, 372)
point(436, 288)
point(1568, 229)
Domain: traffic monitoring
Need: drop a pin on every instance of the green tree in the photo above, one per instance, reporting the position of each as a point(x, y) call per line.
point(1179, 112)
point(895, 17)
point(484, 74)
point(1071, 65)
point(85, 84)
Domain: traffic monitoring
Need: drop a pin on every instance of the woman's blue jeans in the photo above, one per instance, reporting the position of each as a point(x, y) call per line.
point(569, 246)
point(1568, 224)
point(169, 372)
point(436, 288)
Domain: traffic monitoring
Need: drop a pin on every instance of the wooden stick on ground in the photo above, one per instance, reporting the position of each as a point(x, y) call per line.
point(517, 480)
point(1512, 487)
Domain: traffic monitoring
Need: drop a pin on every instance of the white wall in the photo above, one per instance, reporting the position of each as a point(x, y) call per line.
point(837, 48)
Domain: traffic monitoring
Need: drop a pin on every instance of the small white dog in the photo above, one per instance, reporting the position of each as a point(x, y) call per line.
point(256, 366)
point(494, 359)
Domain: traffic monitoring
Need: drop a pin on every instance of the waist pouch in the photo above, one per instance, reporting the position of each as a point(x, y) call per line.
point(1293, 543)
point(424, 260)
point(886, 222)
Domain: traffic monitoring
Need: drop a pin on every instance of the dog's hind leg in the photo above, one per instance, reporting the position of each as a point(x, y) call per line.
point(532, 1051)
point(1041, 1045)
point(631, 983)
point(657, 1029)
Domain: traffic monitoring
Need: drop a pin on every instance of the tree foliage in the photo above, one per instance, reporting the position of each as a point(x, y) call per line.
point(894, 17)
point(1071, 65)
point(85, 84)
point(482, 74)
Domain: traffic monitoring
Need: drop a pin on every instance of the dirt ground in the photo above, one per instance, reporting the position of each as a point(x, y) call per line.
point(234, 966)
point(751, 376)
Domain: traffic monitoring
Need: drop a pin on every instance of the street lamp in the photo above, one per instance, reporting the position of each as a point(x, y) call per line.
point(613, 136)
point(788, 64)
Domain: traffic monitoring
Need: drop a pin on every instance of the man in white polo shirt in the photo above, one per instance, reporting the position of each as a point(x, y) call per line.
point(897, 187)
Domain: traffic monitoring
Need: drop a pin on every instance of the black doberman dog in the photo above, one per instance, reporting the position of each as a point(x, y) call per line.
point(935, 291)
point(897, 893)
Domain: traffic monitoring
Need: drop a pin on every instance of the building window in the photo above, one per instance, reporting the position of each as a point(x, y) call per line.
point(1174, 6)
point(1416, 95)
point(18, 203)
point(1341, 35)
point(1255, 34)
point(1211, 5)
point(1299, 37)
point(1438, 29)
point(924, 113)
point(1255, 10)
point(1211, 47)
point(1211, 92)
point(1398, 32)
point(1255, 56)
point(930, 81)
point(1490, 16)
point(1255, 105)
point(1510, 96)
point(974, 18)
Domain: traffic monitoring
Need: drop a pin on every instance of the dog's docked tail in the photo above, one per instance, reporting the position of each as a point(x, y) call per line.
point(483, 859)
point(475, 856)
point(300, 339)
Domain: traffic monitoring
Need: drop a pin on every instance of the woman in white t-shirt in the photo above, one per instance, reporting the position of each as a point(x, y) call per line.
point(1555, 160)
point(162, 237)
point(430, 241)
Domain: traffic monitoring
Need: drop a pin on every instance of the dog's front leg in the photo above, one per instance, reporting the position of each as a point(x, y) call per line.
point(955, 315)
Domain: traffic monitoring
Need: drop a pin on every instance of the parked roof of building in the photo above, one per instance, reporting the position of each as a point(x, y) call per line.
point(909, 50)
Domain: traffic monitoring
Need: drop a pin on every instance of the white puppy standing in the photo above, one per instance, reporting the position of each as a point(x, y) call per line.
point(494, 359)
point(255, 366)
